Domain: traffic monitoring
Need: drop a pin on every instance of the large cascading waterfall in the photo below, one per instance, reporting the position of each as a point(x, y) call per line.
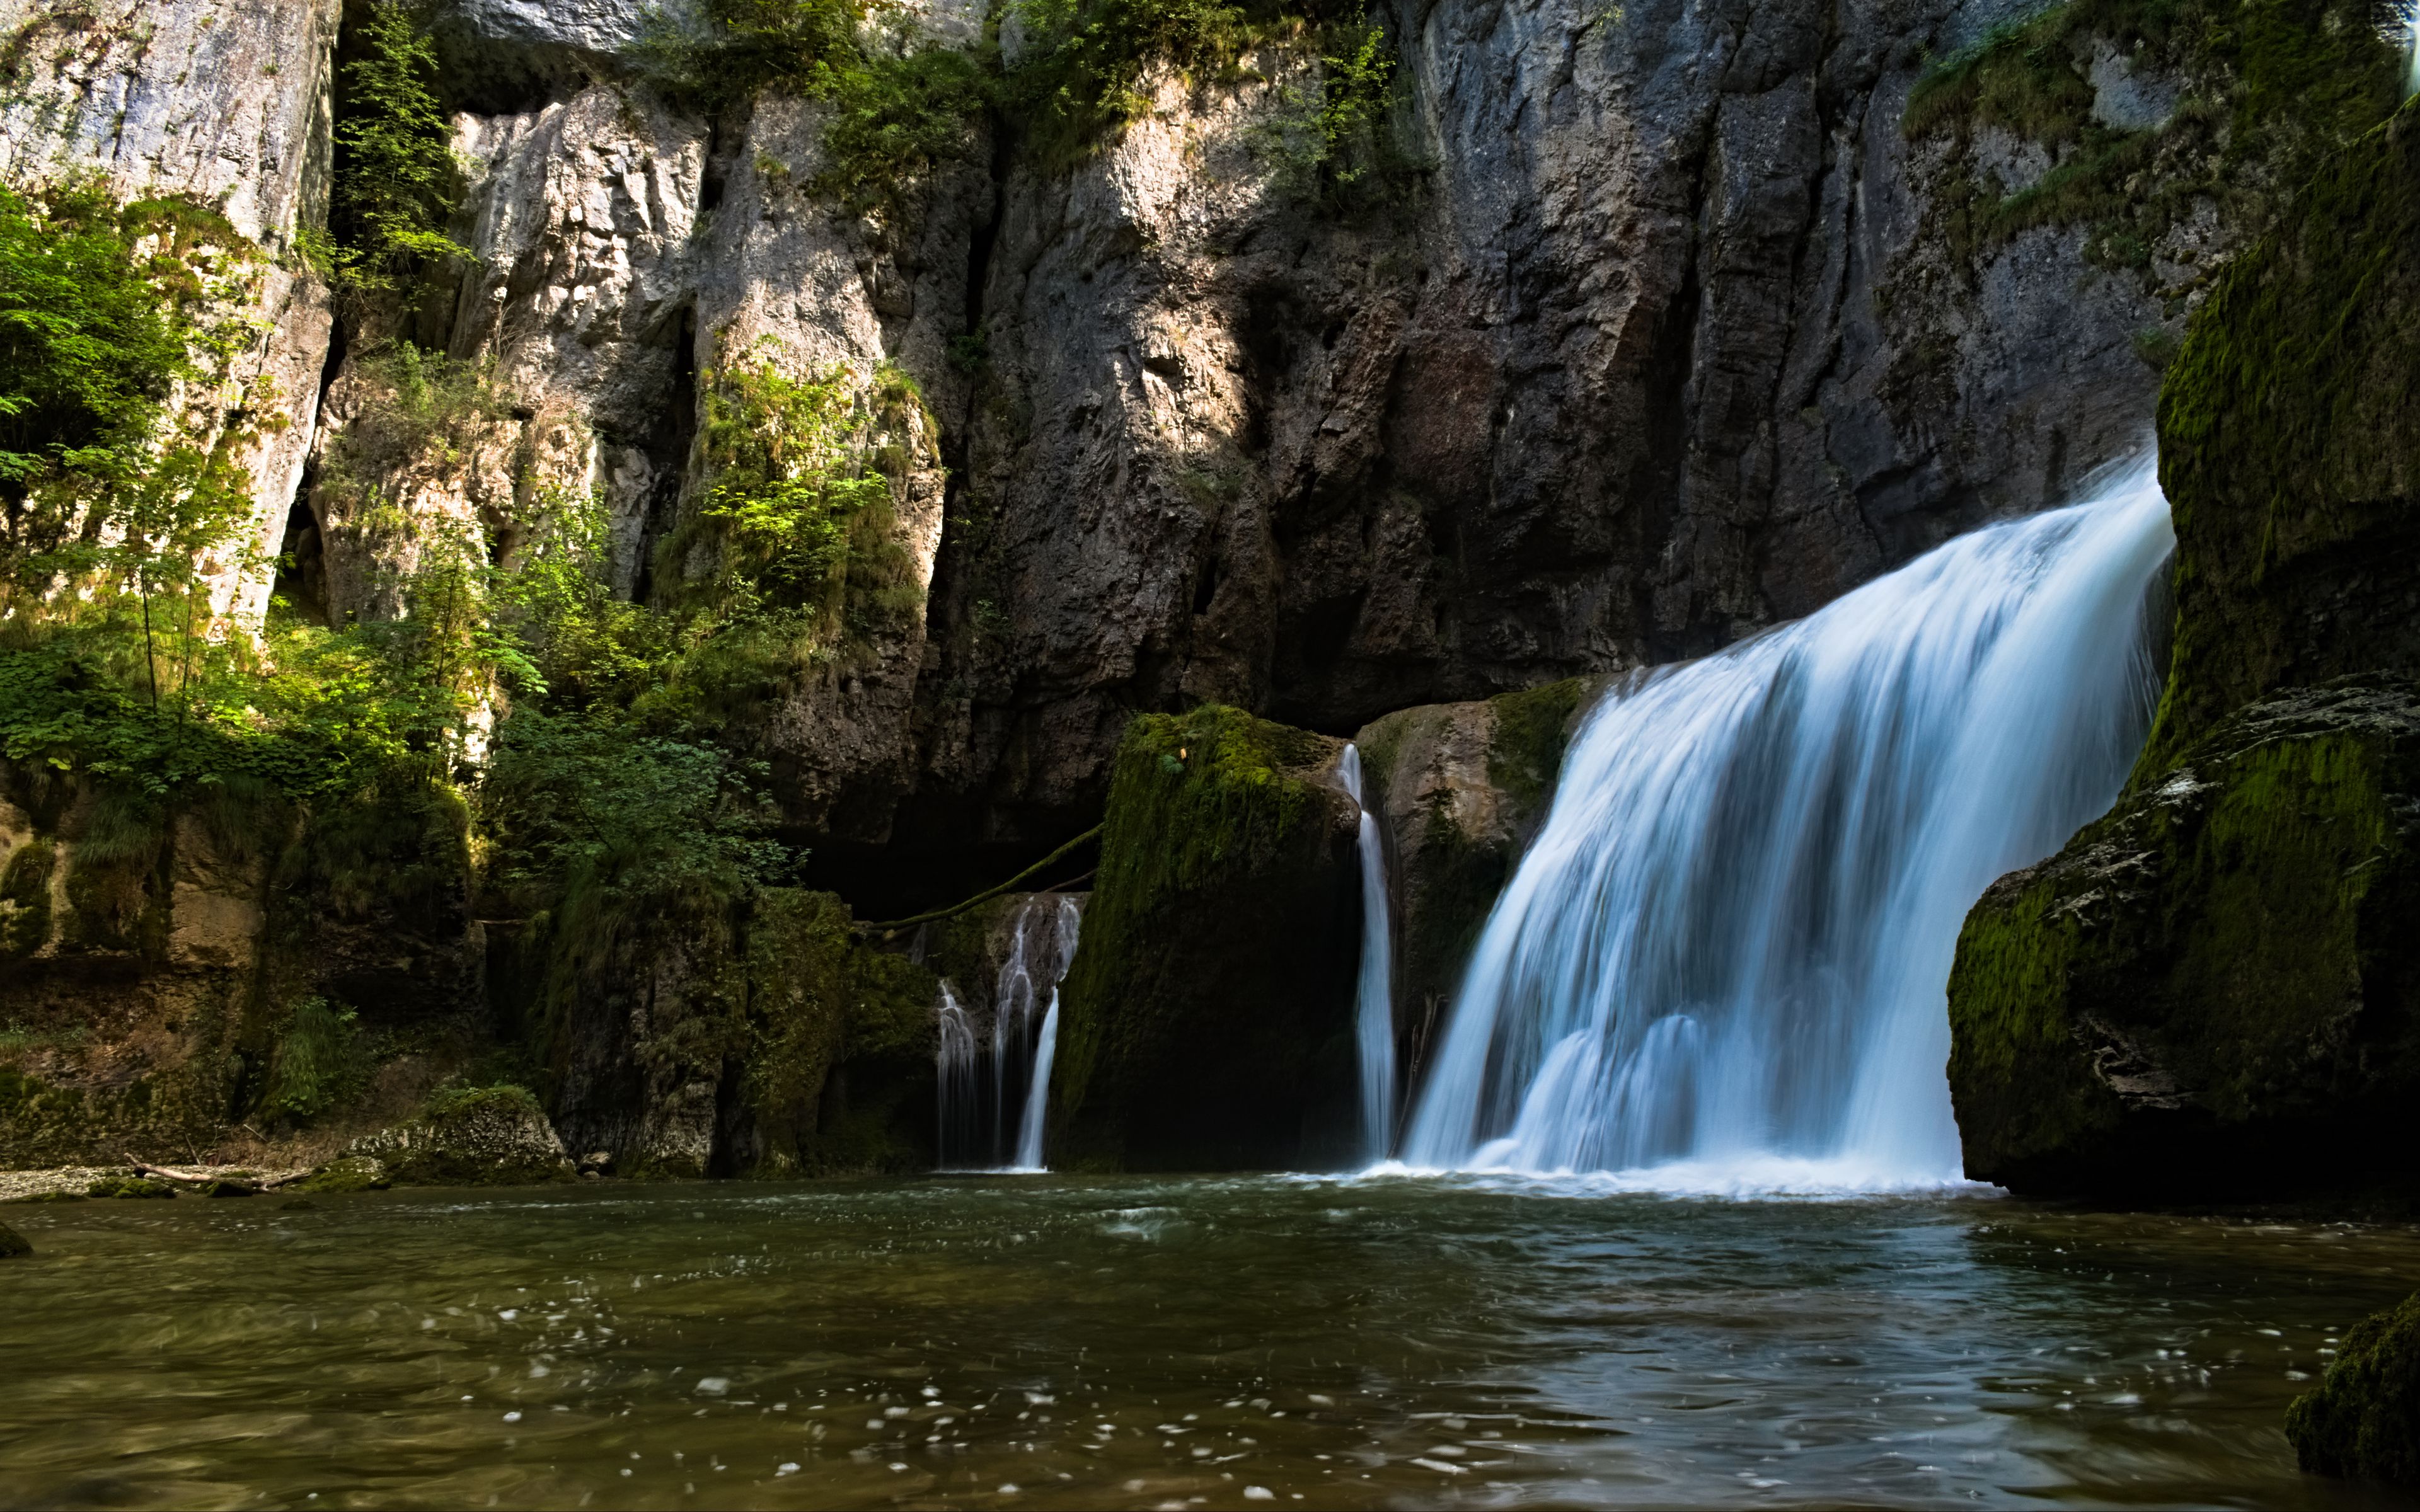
point(1373, 1010)
point(1722, 964)
point(994, 1122)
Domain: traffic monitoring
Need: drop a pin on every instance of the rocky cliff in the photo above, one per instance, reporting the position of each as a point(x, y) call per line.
point(2212, 989)
point(670, 496)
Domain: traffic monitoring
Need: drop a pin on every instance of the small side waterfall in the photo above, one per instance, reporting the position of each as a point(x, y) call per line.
point(1373, 1008)
point(959, 1075)
point(994, 1121)
point(1721, 964)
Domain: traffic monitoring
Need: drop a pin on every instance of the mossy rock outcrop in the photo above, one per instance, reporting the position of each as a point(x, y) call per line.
point(2290, 450)
point(692, 1033)
point(129, 1186)
point(1464, 788)
point(2362, 1420)
point(349, 1173)
point(2212, 990)
point(472, 1137)
point(1206, 1023)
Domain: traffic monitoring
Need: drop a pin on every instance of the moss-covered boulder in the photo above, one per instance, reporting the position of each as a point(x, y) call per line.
point(129, 1186)
point(2209, 992)
point(692, 1032)
point(2212, 990)
point(2363, 1420)
point(2290, 450)
point(1206, 1020)
point(472, 1137)
point(1464, 788)
point(12, 1243)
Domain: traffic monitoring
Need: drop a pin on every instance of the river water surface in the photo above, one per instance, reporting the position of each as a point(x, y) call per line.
point(1050, 1341)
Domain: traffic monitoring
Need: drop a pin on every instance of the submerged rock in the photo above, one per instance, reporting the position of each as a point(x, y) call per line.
point(12, 1243)
point(1207, 1017)
point(472, 1136)
point(2363, 1420)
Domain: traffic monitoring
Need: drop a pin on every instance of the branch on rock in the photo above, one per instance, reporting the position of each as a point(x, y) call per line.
point(985, 896)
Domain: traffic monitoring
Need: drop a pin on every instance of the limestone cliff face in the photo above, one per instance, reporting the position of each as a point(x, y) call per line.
point(228, 105)
point(1659, 339)
point(1667, 344)
point(1654, 328)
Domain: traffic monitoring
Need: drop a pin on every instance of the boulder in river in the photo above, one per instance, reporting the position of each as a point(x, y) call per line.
point(472, 1137)
point(2363, 1422)
point(12, 1243)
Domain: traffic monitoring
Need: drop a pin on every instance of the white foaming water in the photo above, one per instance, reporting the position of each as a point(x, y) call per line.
point(1720, 969)
point(999, 1126)
point(1374, 1012)
point(957, 1080)
point(1038, 1093)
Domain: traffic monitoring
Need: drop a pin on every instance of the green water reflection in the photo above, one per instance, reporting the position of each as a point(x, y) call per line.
point(1135, 1342)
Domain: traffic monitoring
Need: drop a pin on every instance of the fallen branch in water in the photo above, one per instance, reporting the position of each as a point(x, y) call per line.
point(988, 893)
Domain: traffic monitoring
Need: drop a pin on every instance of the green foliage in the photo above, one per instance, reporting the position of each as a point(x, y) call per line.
point(317, 1063)
point(1083, 74)
point(397, 180)
point(25, 898)
point(2270, 86)
point(590, 795)
point(88, 347)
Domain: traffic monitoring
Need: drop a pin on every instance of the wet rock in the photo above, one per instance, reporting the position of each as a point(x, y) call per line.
point(2214, 991)
point(129, 1186)
point(349, 1173)
point(1462, 788)
point(1206, 1020)
point(12, 1243)
point(472, 1136)
point(2362, 1420)
point(222, 1187)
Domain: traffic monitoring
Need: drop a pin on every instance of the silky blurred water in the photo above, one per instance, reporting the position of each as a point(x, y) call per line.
point(1050, 1341)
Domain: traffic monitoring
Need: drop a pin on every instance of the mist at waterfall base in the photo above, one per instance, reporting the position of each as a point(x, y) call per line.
point(995, 1087)
point(1721, 966)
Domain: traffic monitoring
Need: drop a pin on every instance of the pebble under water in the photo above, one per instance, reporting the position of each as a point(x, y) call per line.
point(1054, 1341)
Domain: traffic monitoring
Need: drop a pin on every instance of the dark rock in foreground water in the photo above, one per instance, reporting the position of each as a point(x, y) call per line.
point(2363, 1420)
point(12, 1243)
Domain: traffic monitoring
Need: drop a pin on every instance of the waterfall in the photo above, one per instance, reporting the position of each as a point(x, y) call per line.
point(994, 1122)
point(1721, 964)
point(1373, 1008)
point(957, 1076)
point(1037, 1094)
point(2412, 49)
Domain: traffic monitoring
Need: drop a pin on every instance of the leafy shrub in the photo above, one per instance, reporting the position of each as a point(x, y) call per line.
point(316, 1065)
point(397, 180)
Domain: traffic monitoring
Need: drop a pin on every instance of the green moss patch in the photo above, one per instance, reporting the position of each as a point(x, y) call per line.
point(2362, 1420)
point(2221, 963)
point(1210, 999)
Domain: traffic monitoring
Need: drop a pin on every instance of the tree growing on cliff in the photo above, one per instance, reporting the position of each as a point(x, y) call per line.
point(398, 181)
